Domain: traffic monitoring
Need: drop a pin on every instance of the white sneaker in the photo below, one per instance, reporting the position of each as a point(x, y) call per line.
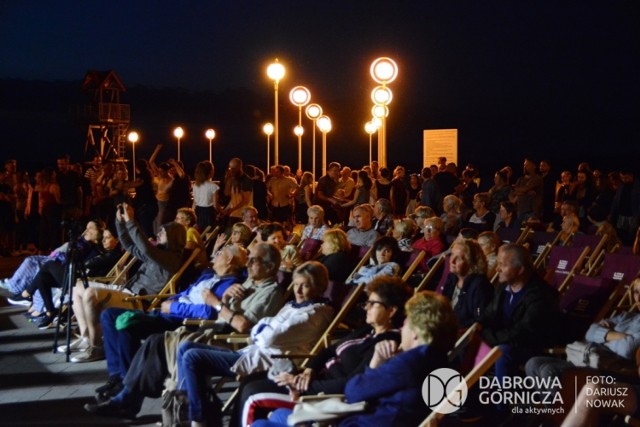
point(89, 355)
point(80, 344)
point(4, 284)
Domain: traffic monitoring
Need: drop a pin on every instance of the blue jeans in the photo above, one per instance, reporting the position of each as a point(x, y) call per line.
point(196, 362)
point(121, 346)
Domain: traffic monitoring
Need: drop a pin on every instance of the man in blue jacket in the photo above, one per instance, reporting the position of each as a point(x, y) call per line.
point(123, 330)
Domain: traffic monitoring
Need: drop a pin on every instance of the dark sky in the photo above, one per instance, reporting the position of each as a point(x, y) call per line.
point(521, 76)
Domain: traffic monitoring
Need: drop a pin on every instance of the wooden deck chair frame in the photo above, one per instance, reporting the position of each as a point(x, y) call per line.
point(116, 270)
point(523, 236)
point(592, 261)
point(416, 262)
point(542, 257)
point(471, 379)
point(574, 270)
point(362, 262)
point(170, 288)
point(430, 274)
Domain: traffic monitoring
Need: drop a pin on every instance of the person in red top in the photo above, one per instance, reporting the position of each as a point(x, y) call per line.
point(432, 242)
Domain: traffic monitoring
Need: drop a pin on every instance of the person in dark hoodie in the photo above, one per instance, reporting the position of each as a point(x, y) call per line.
point(158, 264)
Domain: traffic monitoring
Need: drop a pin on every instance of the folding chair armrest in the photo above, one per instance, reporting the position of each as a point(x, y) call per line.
point(318, 397)
point(239, 339)
point(101, 279)
point(146, 297)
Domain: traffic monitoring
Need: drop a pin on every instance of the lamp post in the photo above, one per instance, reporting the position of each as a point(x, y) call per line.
point(382, 96)
point(313, 111)
point(300, 97)
point(133, 138)
point(324, 124)
point(370, 128)
point(178, 133)
point(210, 134)
point(299, 131)
point(383, 71)
point(268, 129)
point(275, 72)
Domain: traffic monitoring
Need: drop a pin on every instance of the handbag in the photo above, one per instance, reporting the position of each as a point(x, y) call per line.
point(592, 355)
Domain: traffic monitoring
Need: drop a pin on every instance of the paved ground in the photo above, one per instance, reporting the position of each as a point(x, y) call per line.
point(38, 387)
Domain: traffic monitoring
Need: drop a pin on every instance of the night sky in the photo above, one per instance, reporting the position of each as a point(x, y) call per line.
point(548, 79)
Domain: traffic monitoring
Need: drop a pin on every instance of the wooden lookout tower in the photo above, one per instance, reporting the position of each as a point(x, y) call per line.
point(106, 119)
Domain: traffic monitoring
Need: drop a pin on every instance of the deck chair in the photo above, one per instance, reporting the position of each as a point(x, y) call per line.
point(624, 269)
point(412, 264)
point(437, 266)
point(170, 288)
point(350, 299)
point(363, 259)
point(595, 245)
point(513, 236)
point(118, 273)
point(445, 273)
point(541, 244)
point(210, 236)
point(309, 249)
point(564, 263)
point(478, 358)
point(583, 302)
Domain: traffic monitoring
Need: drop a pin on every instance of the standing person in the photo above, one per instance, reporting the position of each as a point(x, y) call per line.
point(499, 192)
point(548, 192)
point(430, 193)
point(362, 192)
point(447, 179)
point(625, 209)
point(280, 190)
point(144, 204)
point(303, 198)
point(398, 195)
point(164, 181)
point(205, 195)
point(70, 190)
point(49, 209)
point(240, 191)
point(414, 188)
point(527, 192)
point(383, 185)
point(326, 190)
point(180, 194)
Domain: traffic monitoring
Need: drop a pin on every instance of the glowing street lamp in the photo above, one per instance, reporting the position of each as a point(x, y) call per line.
point(268, 129)
point(313, 111)
point(300, 97)
point(210, 134)
point(383, 71)
point(275, 72)
point(324, 124)
point(178, 133)
point(370, 128)
point(133, 138)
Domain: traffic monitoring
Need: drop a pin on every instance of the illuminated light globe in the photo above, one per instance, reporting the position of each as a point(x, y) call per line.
point(381, 95)
point(313, 111)
point(384, 70)
point(268, 129)
point(300, 96)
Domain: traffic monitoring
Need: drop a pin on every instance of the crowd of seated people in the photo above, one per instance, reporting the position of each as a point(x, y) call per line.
point(254, 264)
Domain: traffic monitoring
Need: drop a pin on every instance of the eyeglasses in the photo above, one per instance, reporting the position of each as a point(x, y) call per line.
point(429, 227)
point(252, 260)
point(370, 303)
